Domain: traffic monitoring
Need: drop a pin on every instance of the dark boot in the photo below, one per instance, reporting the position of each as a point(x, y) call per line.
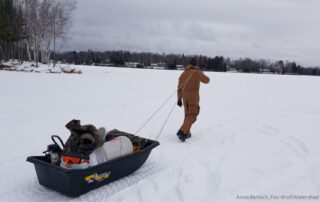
point(188, 135)
point(181, 136)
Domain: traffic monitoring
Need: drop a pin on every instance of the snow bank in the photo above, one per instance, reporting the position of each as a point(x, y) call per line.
point(42, 68)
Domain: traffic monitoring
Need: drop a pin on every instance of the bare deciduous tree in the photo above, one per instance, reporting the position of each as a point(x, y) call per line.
point(33, 27)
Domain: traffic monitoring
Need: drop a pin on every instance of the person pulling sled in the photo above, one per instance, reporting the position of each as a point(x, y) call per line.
point(188, 92)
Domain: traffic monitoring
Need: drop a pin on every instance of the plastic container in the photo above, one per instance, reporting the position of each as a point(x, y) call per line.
point(115, 148)
point(74, 182)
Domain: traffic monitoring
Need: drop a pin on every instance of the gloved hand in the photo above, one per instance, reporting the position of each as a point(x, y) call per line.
point(179, 103)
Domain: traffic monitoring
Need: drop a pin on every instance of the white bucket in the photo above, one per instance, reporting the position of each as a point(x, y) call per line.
point(115, 148)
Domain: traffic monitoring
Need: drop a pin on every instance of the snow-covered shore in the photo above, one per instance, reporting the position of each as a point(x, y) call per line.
point(41, 68)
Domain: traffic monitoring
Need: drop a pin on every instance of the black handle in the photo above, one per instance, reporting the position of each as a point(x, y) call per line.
point(53, 139)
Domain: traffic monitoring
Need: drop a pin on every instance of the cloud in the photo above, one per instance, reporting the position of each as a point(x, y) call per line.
point(271, 29)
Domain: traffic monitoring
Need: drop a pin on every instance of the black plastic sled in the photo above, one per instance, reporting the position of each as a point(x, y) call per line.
point(74, 182)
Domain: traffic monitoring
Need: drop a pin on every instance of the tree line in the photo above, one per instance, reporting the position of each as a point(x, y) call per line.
point(174, 61)
point(32, 30)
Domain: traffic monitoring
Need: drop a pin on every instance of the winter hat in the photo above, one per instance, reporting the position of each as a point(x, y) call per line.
point(193, 62)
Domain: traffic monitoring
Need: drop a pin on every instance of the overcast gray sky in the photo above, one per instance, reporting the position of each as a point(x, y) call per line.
point(270, 29)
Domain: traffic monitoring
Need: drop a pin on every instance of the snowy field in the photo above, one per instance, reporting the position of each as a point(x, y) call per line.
point(255, 135)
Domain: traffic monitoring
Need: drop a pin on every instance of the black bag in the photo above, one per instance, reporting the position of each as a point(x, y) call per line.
point(83, 139)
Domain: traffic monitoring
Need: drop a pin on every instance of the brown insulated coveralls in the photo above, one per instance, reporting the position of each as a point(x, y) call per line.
point(188, 90)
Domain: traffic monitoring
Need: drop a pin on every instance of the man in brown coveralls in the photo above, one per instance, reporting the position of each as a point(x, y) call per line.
point(188, 91)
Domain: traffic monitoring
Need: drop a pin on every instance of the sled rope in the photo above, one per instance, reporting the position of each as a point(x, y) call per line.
point(145, 123)
point(165, 102)
point(157, 137)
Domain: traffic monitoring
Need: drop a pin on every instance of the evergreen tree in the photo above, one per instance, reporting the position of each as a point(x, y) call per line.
point(3, 27)
point(3, 21)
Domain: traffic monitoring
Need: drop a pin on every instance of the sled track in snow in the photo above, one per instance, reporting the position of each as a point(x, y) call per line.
point(151, 168)
point(27, 185)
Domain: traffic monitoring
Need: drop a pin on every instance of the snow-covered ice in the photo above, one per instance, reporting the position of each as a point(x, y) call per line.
point(255, 135)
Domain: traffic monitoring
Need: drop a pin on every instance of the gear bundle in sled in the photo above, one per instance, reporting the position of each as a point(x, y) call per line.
point(90, 159)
